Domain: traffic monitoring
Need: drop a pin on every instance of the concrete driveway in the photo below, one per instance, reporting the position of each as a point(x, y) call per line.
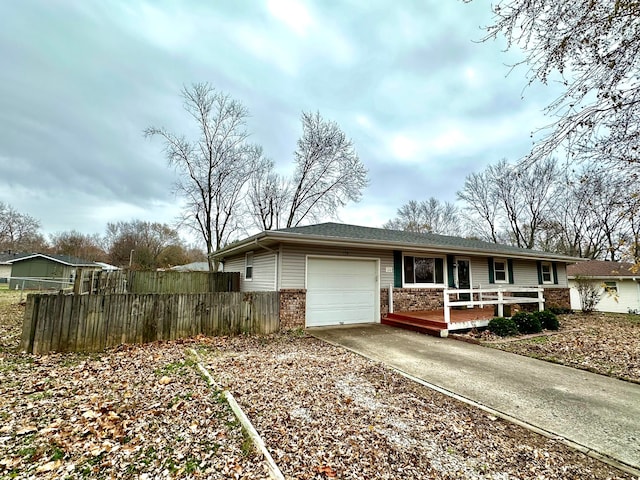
point(599, 413)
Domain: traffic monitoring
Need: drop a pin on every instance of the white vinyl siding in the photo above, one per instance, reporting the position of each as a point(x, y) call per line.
point(294, 259)
point(479, 271)
point(628, 297)
point(5, 273)
point(264, 271)
point(525, 272)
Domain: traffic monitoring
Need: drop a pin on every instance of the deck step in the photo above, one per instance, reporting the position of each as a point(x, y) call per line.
point(400, 317)
point(416, 326)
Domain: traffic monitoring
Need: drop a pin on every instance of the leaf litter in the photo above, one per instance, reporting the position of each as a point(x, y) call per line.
point(144, 412)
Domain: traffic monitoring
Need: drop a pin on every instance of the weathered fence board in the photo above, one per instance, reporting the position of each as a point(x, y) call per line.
point(91, 281)
point(90, 323)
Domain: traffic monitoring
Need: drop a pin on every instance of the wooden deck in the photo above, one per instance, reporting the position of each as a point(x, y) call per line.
point(432, 322)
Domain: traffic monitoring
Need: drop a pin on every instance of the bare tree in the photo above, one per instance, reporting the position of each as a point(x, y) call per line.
point(480, 197)
point(328, 172)
point(510, 202)
point(574, 226)
point(19, 231)
point(139, 243)
point(527, 198)
point(74, 243)
point(214, 168)
point(592, 47)
point(427, 216)
point(268, 195)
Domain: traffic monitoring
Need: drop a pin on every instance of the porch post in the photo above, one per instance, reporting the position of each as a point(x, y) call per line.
point(391, 298)
point(447, 311)
point(500, 303)
point(480, 296)
point(540, 299)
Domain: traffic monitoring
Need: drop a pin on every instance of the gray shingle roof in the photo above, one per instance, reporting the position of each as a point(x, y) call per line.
point(10, 258)
point(355, 232)
point(600, 268)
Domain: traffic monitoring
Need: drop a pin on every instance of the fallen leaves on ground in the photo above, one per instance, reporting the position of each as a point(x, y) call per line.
point(328, 413)
point(144, 412)
point(138, 411)
point(604, 343)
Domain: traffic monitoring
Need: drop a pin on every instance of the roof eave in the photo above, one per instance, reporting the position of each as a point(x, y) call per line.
point(387, 245)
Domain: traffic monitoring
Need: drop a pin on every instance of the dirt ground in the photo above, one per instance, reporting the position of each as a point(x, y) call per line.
point(604, 343)
point(145, 412)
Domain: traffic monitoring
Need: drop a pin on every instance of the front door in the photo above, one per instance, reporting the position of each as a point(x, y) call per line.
point(463, 277)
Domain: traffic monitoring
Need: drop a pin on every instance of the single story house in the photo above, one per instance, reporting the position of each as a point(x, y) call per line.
point(45, 271)
point(335, 274)
point(617, 282)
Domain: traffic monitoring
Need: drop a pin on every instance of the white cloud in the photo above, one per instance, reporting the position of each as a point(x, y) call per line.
point(404, 147)
point(293, 14)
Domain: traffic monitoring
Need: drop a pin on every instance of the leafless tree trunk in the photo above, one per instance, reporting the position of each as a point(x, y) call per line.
point(481, 205)
point(214, 169)
point(328, 172)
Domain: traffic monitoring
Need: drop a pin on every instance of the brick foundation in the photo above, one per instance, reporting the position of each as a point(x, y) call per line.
point(557, 297)
point(411, 299)
point(293, 305)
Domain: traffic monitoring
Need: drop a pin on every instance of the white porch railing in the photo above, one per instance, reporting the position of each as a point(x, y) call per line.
point(491, 296)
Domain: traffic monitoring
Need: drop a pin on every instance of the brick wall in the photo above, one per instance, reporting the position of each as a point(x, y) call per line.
point(293, 304)
point(411, 299)
point(557, 297)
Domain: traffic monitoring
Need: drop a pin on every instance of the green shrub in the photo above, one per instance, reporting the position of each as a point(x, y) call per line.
point(527, 322)
point(503, 327)
point(548, 319)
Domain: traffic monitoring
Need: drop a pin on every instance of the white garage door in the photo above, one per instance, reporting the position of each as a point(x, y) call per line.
point(341, 291)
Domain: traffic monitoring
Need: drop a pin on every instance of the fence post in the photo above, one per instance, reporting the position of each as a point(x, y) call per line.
point(77, 282)
point(500, 303)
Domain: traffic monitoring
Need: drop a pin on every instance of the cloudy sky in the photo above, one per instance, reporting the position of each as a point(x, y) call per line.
point(424, 102)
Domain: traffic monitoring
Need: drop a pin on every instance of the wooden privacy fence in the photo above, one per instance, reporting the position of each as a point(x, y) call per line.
point(90, 323)
point(92, 281)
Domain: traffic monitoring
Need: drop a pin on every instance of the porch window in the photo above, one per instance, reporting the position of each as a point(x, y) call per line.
point(500, 271)
point(423, 270)
point(547, 272)
point(248, 266)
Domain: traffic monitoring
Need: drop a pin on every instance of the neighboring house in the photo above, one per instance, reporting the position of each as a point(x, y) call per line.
point(106, 267)
point(617, 281)
point(6, 266)
point(38, 270)
point(192, 267)
point(332, 274)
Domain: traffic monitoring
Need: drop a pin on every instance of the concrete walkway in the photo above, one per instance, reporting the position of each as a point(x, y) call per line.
point(593, 411)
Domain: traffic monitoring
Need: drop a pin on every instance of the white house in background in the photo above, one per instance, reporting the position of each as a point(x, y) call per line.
point(617, 280)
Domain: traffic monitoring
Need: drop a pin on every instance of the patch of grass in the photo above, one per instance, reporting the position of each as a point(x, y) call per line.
point(191, 465)
point(175, 368)
point(538, 340)
point(248, 447)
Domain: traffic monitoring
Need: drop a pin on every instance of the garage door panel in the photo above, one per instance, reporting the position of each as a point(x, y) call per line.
point(341, 291)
